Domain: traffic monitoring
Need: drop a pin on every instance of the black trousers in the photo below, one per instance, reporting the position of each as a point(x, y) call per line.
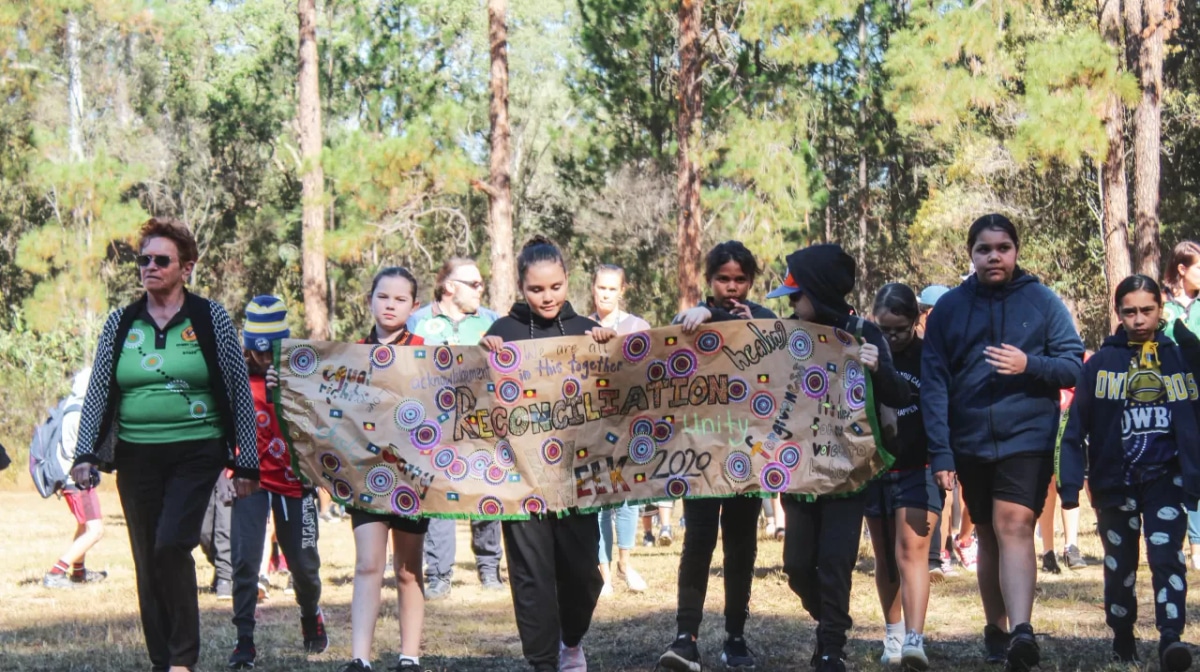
point(214, 537)
point(737, 520)
point(555, 582)
point(296, 530)
point(164, 491)
point(1156, 511)
point(819, 553)
point(440, 547)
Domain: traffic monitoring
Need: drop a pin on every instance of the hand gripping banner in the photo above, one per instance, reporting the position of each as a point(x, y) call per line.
point(557, 424)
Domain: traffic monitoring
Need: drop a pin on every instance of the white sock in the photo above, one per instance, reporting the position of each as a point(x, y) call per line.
point(894, 630)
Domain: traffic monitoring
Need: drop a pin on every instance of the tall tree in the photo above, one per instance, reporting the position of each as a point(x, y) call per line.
point(316, 290)
point(74, 90)
point(1115, 192)
point(687, 183)
point(1147, 28)
point(499, 187)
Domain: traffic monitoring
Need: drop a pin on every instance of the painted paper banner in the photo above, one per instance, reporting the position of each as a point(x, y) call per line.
point(547, 425)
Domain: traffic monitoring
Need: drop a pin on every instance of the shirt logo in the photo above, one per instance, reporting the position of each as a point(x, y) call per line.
point(189, 334)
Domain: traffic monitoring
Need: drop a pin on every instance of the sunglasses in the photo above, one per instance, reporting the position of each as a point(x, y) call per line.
point(473, 284)
point(160, 260)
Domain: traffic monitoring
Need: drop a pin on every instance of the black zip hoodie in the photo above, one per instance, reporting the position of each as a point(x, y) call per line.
point(522, 324)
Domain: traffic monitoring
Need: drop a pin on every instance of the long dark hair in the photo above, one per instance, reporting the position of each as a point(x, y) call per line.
point(993, 222)
point(393, 272)
point(899, 299)
point(537, 250)
point(1186, 253)
point(1137, 283)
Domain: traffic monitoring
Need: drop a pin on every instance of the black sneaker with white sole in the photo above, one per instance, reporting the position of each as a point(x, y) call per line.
point(243, 654)
point(736, 655)
point(682, 656)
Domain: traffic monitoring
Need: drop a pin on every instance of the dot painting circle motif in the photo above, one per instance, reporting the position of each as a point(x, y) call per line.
point(641, 425)
point(656, 370)
point(571, 387)
point(642, 449)
point(856, 395)
point(457, 470)
point(709, 342)
point(446, 399)
point(331, 463)
point(381, 480)
point(262, 419)
point(478, 462)
point(405, 501)
point(409, 415)
point(852, 371)
point(198, 409)
point(504, 454)
point(677, 487)
point(135, 339)
point(738, 466)
point(495, 474)
point(443, 457)
point(382, 356)
point(276, 448)
point(843, 337)
point(815, 382)
point(552, 451)
point(490, 506)
point(636, 347)
point(663, 431)
point(762, 404)
point(533, 505)
point(800, 345)
point(442, 358)
point(738, 390)
point(152, 362)
point(508, 391)
point(506, 358)
point(426, 436)
point(303, 360)
point(342, 490)
point(789, 455)
point(774, 477)
point(682, 363)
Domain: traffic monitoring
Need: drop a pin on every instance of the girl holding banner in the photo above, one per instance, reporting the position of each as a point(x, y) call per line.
point(552, 568)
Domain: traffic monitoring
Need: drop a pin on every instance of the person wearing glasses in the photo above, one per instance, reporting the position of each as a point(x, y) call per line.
point(456, 316)
point(168, 401)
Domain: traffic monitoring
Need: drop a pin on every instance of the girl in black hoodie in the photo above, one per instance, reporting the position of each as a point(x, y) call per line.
point(821, 545)
point(552, 569)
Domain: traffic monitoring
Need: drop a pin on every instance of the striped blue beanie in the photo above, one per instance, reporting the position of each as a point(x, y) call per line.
point(266, 321)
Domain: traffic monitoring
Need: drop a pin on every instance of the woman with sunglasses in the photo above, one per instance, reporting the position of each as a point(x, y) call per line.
point(168, 401)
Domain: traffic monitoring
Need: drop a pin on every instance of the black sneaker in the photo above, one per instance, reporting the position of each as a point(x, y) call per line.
point(1050, 563)
point(1074, 558)
point(313, 628)
point(356, 665)
point(996, 641)
point(736, 655)
point(224, 589)
point(405, 666)
point(490, 580)
point(682, 656)
point(831, 664)
point(243, 654)
point(648, 539)
point(1124, 648)
point(437, 589)
point(1023, 652)
point(1173, 655)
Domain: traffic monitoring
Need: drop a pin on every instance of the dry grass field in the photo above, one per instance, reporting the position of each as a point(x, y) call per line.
point(96, 628)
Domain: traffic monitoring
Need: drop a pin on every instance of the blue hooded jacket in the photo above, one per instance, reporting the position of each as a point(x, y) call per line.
point(1100, 413)
point(970, 410)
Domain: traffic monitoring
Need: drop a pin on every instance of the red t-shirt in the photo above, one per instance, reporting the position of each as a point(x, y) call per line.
point(274, 460)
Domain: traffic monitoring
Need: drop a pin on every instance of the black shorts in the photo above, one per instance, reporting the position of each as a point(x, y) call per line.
point(410, 525)
point(907, 489)
point(1021, 479)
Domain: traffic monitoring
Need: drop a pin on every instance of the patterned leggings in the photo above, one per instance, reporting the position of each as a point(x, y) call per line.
point(1155, 509)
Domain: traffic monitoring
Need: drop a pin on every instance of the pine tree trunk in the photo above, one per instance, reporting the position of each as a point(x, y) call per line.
point(864, 191)
point(312, 180)
point(1115, 224)
point(1146, 30)
point(74, 90)
point(500, 212)
point(687, 185)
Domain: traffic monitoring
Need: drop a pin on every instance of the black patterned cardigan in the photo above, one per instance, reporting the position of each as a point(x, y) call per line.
point(222, 350)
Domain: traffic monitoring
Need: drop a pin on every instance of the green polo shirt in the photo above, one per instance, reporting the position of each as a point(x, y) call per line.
point(437, 329)
point(165, 389)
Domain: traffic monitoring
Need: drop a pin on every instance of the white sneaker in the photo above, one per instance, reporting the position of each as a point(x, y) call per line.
point(634, 580)
point(607, 590)
point(571, 658)
point(912, 655)
point(891, 650)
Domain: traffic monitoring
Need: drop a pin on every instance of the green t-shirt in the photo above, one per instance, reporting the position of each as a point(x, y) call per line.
point(437, 329)
point(165, 389)
point(1173, 310)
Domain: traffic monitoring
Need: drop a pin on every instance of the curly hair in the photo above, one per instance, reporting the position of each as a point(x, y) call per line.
point(174, 231)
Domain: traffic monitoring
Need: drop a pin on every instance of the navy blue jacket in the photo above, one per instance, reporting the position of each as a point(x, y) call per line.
point(970, 410)
point(1099, 410)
